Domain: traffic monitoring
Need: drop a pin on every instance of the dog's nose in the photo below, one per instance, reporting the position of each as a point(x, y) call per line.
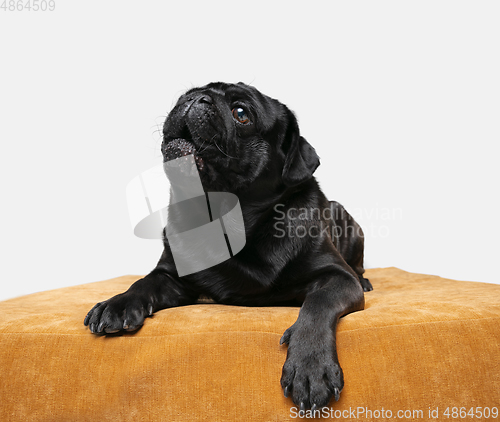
point(206, 99)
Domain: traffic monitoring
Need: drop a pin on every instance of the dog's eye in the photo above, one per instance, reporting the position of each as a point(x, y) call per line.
point(240, 115)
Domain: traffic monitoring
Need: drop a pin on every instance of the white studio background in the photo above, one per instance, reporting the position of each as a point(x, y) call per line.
point(400, 99)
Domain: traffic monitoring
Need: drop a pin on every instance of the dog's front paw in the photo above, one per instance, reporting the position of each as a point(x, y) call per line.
point(125, 311)
point(311, 373)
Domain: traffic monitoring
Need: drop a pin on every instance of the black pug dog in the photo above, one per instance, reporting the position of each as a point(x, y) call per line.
point(249, 144)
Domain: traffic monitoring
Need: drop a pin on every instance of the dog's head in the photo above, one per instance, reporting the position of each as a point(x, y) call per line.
point(239, 137)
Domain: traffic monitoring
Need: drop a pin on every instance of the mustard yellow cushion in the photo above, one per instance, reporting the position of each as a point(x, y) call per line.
point(422, 343)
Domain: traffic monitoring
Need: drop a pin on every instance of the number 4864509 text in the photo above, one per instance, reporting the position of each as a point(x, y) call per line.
point(28, 5)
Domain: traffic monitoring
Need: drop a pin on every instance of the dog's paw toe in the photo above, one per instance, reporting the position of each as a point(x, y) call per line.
point(365, 283)
point(121, 312)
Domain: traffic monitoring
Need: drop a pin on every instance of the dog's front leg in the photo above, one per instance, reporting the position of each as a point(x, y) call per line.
point(312, 373)
point(127, 311)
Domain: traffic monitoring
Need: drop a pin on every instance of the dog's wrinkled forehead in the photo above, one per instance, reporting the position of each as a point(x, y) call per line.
point(265, 109)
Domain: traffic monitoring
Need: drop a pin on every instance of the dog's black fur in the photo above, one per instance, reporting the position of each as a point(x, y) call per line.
point(249, 144)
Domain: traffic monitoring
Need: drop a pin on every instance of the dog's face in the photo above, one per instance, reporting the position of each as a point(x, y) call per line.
point(239, 137)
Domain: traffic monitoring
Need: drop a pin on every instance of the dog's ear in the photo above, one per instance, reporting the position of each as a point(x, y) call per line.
point(301, 159)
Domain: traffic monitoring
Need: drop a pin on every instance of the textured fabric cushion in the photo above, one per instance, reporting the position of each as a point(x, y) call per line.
point(422, 342)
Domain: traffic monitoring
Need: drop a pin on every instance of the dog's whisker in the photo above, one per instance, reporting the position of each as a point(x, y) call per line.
point(203, 143)
point(225, 153)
